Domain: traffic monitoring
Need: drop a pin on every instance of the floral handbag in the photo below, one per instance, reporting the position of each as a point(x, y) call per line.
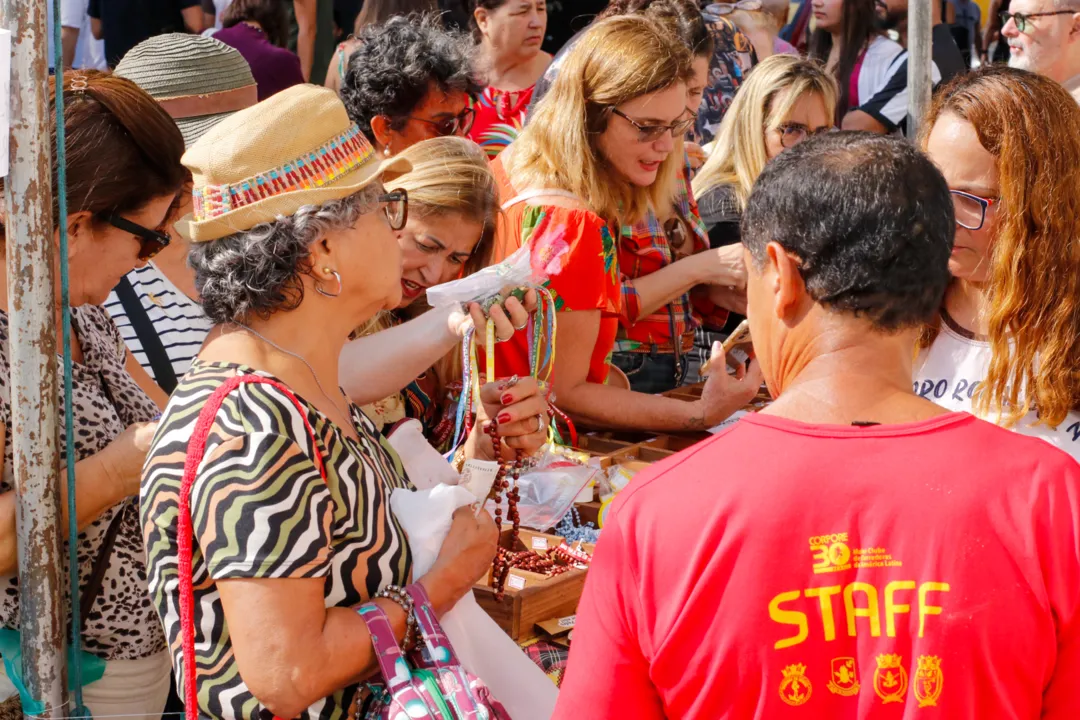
point(433, 686)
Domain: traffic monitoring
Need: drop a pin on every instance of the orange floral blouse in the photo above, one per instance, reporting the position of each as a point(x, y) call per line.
point(576, 249)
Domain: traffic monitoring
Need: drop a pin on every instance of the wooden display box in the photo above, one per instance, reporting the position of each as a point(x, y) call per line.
point(536, 597)
point(676, 443)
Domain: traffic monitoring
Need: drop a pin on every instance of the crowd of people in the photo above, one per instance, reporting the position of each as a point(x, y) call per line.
point(260, 193)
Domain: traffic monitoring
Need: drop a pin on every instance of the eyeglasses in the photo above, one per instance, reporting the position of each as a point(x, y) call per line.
point(791, 134)
point(151, 242)
point(396, 208)
point(728, 8)
point(651, 133)
point(971, 209)
point(1021, 19)
point(459, 124)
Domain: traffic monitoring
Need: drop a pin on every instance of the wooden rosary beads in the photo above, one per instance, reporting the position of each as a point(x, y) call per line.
point(533, 561)
point(500, 568)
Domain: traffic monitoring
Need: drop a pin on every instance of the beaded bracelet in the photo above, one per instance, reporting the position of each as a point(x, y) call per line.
point(397, 594)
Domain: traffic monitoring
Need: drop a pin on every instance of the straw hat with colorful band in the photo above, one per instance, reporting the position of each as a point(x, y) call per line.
point(295, 148)
point(198, 80)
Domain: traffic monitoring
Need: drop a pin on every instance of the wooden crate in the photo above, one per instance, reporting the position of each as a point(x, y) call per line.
point(536, 597)
point(676, 443)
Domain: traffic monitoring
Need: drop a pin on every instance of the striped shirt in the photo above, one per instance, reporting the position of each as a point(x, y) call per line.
point(261, 510)
point(178, 320)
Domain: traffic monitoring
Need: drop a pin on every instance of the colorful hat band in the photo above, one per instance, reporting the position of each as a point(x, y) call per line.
point(336, 158)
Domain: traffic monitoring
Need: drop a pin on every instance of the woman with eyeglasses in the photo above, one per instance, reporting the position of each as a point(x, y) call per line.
point(292, 533)
point(1007, 346)
point(123, 175)
point(508, 34)
point(453, 204)
point(785, 100)
point(619, 107)
point(666, 247)
point(410, 80)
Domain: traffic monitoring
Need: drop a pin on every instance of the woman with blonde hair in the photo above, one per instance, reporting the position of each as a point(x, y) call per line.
point(784, 100)
point(619, 110)
point(453, 203)
point(1008, 343)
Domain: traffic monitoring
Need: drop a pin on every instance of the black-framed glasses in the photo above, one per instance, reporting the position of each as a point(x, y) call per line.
point(726, 8)
point(396, 207)
point(971, 209)
point(791, 134)
point(151, 242)
point(651, 133)
point(459, 124)
point(1021, 19)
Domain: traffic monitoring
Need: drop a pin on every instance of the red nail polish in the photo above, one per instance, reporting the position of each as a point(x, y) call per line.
point(503, 418)
point(507, 399)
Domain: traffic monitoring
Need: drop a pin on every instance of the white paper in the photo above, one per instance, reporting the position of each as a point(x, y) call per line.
point(478, 476)
point(735, 417)
point(515, 582)
point(481, 645)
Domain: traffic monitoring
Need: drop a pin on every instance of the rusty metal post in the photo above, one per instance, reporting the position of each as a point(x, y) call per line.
point(32, 349)
point(920, 62)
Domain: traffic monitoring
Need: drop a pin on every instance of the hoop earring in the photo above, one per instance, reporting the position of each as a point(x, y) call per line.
point(336, 277)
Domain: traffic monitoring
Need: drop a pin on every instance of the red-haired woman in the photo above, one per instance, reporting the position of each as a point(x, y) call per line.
point(1008, 344)
point(123, 175)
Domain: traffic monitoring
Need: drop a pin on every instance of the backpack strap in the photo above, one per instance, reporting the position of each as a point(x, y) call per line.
point(195, 453)
point(539, 192)
point(159, 361)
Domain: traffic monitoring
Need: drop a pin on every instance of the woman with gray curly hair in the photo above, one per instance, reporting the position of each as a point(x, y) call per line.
point(288, 520)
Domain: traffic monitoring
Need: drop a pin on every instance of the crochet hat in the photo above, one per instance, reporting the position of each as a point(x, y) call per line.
point(295, 148)
point(199, 81)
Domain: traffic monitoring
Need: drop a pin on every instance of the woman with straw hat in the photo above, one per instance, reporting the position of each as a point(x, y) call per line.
point(294, 247)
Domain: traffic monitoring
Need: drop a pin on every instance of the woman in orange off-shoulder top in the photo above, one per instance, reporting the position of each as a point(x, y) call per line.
point(603, 146)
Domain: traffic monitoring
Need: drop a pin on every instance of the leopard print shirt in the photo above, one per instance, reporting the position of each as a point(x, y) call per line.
point(122, 624)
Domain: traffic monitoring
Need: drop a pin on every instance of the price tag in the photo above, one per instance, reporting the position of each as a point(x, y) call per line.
point(515, 582)
point(540, 543)
point(567, 622)
point(478, 476)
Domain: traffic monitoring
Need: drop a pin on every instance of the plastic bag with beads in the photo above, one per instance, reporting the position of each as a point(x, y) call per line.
point(490, 285)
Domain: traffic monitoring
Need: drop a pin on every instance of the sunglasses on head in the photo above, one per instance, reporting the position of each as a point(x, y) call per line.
point(459, 124)
point(151, 242)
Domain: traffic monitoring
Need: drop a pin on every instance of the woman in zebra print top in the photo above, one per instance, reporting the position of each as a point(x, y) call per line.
point(282, 556)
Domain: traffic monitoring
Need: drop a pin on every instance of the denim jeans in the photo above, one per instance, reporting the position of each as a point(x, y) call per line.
point(650, 372)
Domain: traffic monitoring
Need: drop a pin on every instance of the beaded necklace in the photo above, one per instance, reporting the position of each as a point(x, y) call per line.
point(541, 334)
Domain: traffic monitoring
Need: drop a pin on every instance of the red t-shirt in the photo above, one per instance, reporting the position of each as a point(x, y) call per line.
point(930, 569)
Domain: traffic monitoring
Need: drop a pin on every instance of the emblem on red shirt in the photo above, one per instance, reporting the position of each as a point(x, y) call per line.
point(795, 688)
point(928, 680)
point(890, 679)
point(845, 678)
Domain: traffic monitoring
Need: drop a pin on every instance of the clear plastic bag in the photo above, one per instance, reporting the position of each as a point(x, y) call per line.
point(547, 492)
point(495, 281)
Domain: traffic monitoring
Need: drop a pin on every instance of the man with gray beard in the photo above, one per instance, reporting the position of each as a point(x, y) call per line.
point(1044, 37)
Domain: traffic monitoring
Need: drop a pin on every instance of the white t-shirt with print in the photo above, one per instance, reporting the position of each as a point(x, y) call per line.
point(950, 370)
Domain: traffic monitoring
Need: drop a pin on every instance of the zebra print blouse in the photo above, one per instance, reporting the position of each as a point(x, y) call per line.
point(261, 510)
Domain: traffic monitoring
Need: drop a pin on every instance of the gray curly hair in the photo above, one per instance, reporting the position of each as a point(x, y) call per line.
point(259, 271)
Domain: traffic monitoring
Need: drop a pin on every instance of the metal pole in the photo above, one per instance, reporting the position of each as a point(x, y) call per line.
point(32, 348)
point(920, 62)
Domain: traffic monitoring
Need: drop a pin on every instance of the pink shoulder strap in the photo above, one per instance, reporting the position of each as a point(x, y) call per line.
point(196, 451)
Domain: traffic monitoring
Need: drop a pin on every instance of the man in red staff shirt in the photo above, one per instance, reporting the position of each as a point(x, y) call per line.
point(854, 551)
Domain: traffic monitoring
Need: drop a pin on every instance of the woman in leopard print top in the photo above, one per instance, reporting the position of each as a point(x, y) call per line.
point(111, 210)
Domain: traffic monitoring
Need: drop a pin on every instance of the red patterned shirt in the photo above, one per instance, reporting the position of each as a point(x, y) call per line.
point(644, 249)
